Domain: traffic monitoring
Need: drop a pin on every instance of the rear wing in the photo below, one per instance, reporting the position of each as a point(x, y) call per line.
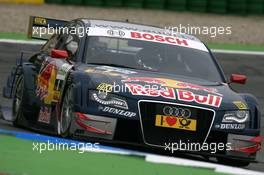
point(44, 28)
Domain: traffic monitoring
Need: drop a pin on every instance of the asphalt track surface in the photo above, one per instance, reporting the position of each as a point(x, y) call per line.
point(250, 65)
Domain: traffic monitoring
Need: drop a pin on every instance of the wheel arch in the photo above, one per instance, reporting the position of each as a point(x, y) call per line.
point(79, 80)
point(75, 79)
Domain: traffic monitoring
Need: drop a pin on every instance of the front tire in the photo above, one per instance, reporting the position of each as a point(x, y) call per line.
point(18, 101)
point(66, 116)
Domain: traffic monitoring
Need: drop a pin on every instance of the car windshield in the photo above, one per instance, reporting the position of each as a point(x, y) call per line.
point(152, 56)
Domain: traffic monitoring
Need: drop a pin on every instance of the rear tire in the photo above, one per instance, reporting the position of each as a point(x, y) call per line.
point(232, 162)
point(18, 100)
point(66, 113)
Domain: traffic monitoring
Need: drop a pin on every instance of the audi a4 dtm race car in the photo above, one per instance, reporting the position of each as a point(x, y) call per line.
point(134, 84)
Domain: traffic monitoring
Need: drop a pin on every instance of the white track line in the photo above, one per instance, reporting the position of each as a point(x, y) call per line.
point(238, 52)
point(194, 163)
point(12, 41)
point(153, 158)
point(37, 42)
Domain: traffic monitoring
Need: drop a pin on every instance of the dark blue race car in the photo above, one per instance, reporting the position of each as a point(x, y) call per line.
point(133, 84)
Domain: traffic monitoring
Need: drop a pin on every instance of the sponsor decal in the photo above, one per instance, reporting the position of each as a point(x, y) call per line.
point(234, 126)
point(113, 74)
point(117, 33)
point(166, 32)
point(40, 21)
point(50, 80)
point(63, 70)
point(169, 93)
point(137, 89)
point(171, 83)
point(41, 92)
point(175, 122)
point(110, 71)
point(116, 111)
point(148, 36)
point(114, 69)
point(56, 96)
point(104, 87)
point(176, 117)
point(116, 102)
point(44, 115)
point(159, 38)
point(240, 105)
point(46, 82)
point(177, 111)
point(49, 83)
point(46, 73)
point(209, 100)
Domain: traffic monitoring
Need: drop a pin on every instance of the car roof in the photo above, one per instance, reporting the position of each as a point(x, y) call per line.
point(122, 25)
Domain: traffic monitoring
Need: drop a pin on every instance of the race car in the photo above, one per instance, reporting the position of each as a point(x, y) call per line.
point(128, 83)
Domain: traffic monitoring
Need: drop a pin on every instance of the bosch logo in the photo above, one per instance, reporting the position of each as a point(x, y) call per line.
point(178, 112)
point(117, 33)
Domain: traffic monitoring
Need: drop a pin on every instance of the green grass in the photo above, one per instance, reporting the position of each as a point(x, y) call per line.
point(18, 157)
point(18, 36)
point(246, 47)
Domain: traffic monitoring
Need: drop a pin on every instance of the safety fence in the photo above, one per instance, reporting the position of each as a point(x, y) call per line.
point(241, 7)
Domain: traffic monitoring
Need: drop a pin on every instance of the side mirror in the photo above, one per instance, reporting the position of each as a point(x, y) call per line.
point(59, 53)
point(236, 78)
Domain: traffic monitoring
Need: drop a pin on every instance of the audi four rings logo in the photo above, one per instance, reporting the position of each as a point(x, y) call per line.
point(179, 112)
point(118, 33)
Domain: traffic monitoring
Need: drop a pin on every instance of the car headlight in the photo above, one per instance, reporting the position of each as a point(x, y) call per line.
point(240, 116)
point(106, 98)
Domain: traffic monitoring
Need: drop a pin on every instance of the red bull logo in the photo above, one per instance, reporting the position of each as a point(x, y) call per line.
point(171, 83)
point(181, 95)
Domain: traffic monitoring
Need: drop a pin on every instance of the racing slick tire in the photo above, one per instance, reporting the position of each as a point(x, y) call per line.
point(18, 100)
point(66, 115)
point(232, 162)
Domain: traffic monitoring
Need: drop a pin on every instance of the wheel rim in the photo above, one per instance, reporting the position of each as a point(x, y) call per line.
point(67, 112)
point(17, 98)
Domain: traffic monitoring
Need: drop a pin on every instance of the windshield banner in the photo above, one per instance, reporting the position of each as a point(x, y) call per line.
point(165, 39)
